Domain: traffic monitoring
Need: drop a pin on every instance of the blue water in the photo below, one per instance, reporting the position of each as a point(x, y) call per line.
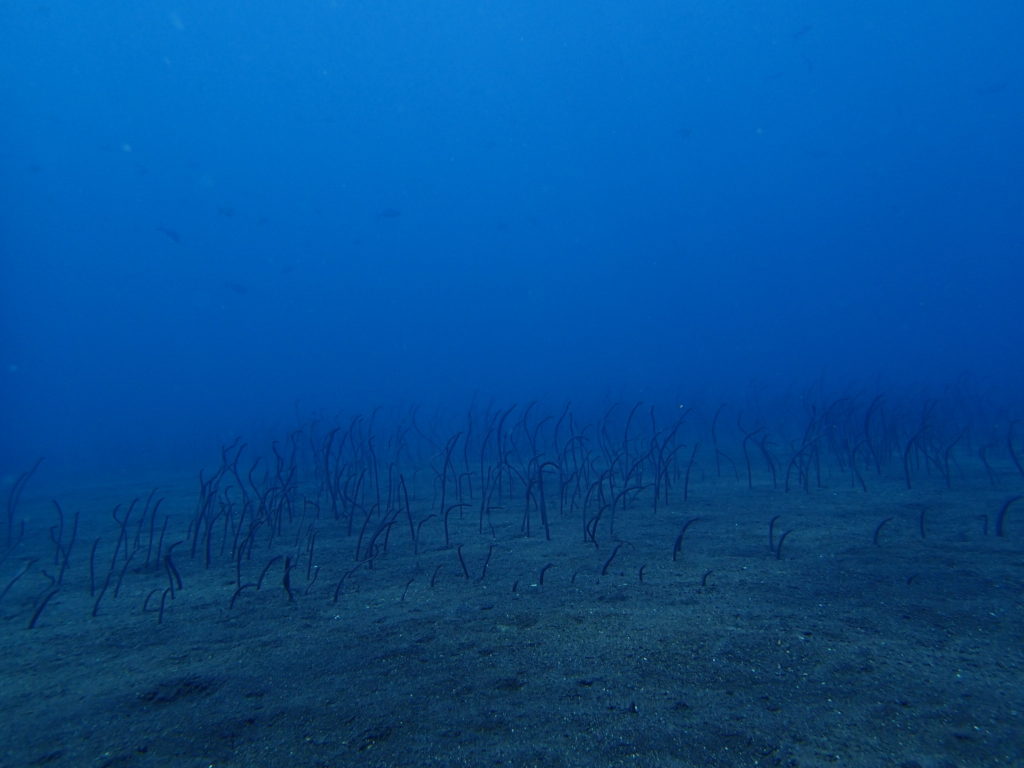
point(223, 218)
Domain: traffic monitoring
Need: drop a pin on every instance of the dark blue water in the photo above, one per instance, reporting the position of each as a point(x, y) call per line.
point(221, 218)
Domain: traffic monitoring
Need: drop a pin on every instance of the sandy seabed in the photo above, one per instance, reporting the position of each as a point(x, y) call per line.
point(841, 651)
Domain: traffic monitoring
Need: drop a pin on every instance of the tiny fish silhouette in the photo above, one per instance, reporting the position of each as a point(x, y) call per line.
point(805, 29)
point(170, 233)
point(991, 88)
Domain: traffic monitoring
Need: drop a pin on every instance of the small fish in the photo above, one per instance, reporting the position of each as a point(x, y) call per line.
point(805, 29)
point(170, 233)
point(991, 88)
